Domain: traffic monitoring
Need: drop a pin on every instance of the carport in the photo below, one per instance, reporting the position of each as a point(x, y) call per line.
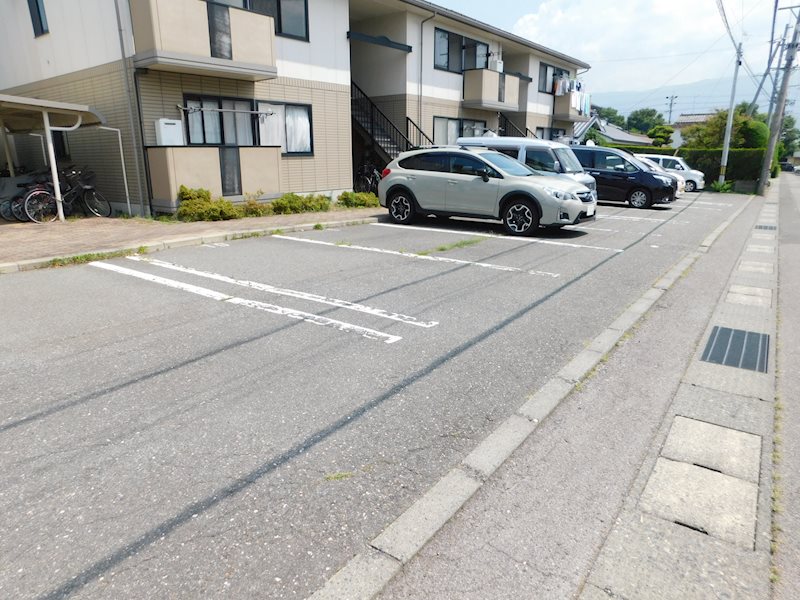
point(25, 115)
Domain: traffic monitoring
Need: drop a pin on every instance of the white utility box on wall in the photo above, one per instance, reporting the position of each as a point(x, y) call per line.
point(169, 132)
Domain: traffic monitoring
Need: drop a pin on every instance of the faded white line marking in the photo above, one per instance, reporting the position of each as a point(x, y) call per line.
point(624, 218)
point(270, 308)
point(583, 228)
point(263, 287)
point(524, 240)
point(418, 256)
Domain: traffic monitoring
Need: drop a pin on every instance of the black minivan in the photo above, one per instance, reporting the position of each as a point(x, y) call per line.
point(621, 177)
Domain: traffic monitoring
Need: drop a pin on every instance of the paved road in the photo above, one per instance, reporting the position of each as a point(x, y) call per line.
point(239, 418)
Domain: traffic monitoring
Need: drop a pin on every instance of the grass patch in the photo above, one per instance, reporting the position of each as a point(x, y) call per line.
point(81, 259)
point(339, 476)
point(319, 226)
point(141, 250)
point(276, 232)
point(343, 243)
point(453, 246)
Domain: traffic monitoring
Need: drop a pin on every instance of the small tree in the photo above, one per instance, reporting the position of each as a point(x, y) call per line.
point(661, 135)
point(611, 115)
point(644, 119)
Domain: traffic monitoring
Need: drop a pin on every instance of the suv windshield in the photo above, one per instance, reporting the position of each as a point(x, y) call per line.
point(507, 164)
point(569, 163)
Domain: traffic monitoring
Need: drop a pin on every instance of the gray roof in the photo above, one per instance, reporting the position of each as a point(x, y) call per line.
point(615, 134)
point(456, 16)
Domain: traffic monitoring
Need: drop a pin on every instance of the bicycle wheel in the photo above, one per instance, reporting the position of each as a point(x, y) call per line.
point(18, 210)
point(362, 184)
point(96, 203)
point(5, 211)
point(40, 206)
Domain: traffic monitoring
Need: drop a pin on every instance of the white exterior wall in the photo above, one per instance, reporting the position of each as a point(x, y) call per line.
point(380, 71)
point(326, 56)
point(83, 34)
point(436, 83)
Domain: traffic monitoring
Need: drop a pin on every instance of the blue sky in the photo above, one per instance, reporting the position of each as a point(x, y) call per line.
point(641, 44)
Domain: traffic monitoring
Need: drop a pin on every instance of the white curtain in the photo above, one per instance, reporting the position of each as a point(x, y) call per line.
point(195, 122)
point(211, 122)
point(298, 129)
point(238, 131)
point(272, 127)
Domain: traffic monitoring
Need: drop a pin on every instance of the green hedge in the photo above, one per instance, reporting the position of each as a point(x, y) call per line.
point(358, 200)
point(743, 163)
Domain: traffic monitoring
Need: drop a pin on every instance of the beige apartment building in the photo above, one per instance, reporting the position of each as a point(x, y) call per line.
point(270, 96)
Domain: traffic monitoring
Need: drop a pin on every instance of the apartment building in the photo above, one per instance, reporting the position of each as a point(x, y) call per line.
point(269, 96)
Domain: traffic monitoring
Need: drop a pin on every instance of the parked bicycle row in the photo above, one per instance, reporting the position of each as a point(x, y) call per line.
point(34, 200)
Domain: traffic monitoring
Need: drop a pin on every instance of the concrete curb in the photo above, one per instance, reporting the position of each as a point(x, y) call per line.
point(366, 574)
point(178, 242)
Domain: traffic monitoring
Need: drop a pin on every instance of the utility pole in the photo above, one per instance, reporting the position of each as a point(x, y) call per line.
point(726, 144)
point(671, 101)
point(777, 76)
point(776, 122)
point(752, 108)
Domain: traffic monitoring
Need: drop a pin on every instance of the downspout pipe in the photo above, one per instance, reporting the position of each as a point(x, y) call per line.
point(421, 58)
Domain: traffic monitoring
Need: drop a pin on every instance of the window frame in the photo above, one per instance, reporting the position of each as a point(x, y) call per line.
point(247, 5)
point(461, 121)
point(288, 154)
point(557, 72)
point(464, 45)
point(38, 18)
point(219, 100)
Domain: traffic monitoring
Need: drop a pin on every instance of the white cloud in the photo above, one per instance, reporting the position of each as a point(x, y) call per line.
point(609, 34)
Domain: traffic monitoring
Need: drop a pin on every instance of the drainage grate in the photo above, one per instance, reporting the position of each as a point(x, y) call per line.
point(768, 227)
point(737, 348)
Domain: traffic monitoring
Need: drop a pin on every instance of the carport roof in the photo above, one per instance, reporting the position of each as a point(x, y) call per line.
point(21, 115)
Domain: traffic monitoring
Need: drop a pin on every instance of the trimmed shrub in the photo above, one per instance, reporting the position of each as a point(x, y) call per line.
point(197, 205)
point(294, 203)
point(358, 200)
point(254, 208)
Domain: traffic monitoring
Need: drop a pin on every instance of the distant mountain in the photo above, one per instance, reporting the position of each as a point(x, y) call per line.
point(698, 97)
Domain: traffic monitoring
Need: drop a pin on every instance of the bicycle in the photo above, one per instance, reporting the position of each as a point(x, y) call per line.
point(40, 205)
point(367, 178)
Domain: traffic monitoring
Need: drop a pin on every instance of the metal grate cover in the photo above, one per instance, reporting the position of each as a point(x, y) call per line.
point(768, 227)
point(737, 348)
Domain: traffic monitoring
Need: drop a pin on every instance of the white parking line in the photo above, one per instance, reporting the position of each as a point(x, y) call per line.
point(418, 256)
point(624, 218)
point(586, 228)
point(263, 287)
point(270, 308)
point(525, 240)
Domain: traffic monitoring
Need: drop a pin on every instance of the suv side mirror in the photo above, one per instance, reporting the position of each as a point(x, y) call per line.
point(484, 173)
point(557, 166)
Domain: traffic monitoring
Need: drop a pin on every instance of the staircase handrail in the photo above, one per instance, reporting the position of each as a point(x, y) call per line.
point(376, 116)
point(418, 131)
point(504, 123)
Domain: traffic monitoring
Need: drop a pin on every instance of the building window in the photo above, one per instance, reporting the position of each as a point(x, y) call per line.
point(38, 17)
point(446, 130)
point(219, 29)
point(548, 74)
point(219, 122)
point(455, 53)
point(60, 145)
point(291, 16)
point(230, 171)
point(287, 126)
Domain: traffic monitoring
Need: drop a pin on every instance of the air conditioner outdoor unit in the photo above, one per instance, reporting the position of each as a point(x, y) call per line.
point(169, 132)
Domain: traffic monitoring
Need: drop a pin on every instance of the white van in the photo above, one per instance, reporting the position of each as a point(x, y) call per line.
point(546, 157)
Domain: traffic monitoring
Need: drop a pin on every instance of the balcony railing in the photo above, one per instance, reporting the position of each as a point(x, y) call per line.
point(491, 90)
point(564, 108)
point(189, 36)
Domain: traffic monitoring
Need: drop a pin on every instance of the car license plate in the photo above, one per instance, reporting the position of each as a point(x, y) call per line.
point(590, 210)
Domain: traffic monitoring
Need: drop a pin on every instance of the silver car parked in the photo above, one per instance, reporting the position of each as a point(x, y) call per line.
point(695, 180)
point(477, 182)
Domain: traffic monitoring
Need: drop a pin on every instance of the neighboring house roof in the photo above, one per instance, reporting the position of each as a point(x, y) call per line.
point(456, 16)
point(620, 136)
point(692, 119)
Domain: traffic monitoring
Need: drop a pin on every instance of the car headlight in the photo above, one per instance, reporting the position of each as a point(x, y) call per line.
point(560, 194)
point(664, 180)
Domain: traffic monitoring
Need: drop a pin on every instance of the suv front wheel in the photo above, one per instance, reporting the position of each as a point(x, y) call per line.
point(520, 217)
point(401, 207)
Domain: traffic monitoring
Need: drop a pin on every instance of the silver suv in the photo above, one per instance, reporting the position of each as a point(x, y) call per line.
point(477, 182)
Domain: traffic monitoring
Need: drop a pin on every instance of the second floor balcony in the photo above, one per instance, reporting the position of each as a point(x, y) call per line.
point(571, 106)
point(203, 38)
point(491, 90)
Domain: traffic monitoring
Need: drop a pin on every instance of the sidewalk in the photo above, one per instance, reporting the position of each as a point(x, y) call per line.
point(642, 470)
point(29, 245)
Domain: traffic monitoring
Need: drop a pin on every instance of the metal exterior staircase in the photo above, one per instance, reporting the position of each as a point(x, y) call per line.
point(508, 128)
point(387, 139)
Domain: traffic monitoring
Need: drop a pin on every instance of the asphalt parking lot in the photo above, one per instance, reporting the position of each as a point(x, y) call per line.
point(237, 418)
